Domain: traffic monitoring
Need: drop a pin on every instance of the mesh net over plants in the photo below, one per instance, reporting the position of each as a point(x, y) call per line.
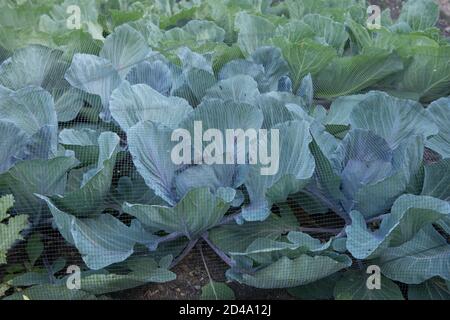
point(163, 149)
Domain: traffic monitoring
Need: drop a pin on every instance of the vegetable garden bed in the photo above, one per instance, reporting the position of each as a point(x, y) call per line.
point(119, 179)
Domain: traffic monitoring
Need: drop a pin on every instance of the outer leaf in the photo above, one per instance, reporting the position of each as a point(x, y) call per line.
point(223, 54)
point(6, 203)
point(241, 66)
point(94, 75)
point(133, 189)
point(103, 240)
point(364, 160)
point(427, 76)
point(294, 30)
point(13, 140)
point(304, 57)
point(190, 59)
point(420, 14)
point(336, 9)
point(439, 111)
point(401, 118)
point(240, 88)
point(32, 66)
point(254, 32)
point(296, 166)
point(271, 59)
point(132, 104)
point(286, 273)
point(51, 292)
point(197, 212)
point(10, 232)
point(319, 290)
point(125, 47)
point(216, 177)
point(217, 291)
point(403, 42)
point(328, 31)
point(96, 182)
point(34, 248)
point(141, 271)
point(237, 238)
point(152, 157)
point(199, 81)
point(36, 176)
point(68, 103)
point(29, 109)
point(223, 115)
point(353, 286)
point(348, 75)
point(341, 109)
point(155, 74)
point(408, 215)
point(200, 31)
point(324, 145)
point(276, 111)
point(437, 180)
point(433, 289)
point(298, 241)
point(83, 142)
point(408, 157)
point(423, 257)
point(77, 41)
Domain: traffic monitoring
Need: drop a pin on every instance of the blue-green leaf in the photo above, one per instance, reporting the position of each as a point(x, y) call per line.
point(433, 289)
point(217, 291)
point(197, 211)
point(152, 157)
point(408, 215)
point(353, 286)
point(102, 240)
point(425, 256)
point(286, 272)
point(125, 47)
point(439, 111)
point(240, 88)
point(419, 14)
point(94, 75)
point(96, 182)
point(401, 118)
point(131, 104)
point(295, 168)
point(254, 32)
